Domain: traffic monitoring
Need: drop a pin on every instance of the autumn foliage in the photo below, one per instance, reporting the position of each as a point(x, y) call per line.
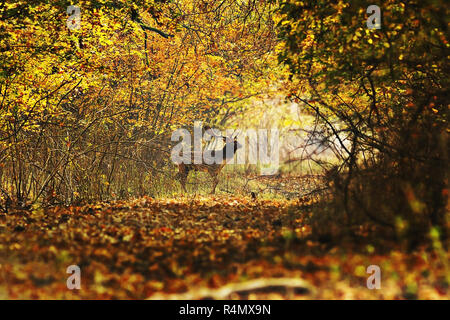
point(382, 96)
point(169, 248)
point(86, 178)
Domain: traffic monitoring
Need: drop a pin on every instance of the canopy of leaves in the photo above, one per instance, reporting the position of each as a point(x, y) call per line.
point(119, 85)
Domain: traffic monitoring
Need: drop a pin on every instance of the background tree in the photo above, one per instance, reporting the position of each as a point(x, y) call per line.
point(382, 96)
point(87, 114)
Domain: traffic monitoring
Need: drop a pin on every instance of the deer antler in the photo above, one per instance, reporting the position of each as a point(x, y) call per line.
point(211, 132)
point(235, 134)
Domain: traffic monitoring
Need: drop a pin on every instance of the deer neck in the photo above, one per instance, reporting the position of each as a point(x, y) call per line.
point(224, 151)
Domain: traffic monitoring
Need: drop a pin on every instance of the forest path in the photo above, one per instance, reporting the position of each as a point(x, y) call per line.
point(191, 247)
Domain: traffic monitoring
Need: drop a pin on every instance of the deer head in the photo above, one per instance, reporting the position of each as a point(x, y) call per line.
point(231, 146)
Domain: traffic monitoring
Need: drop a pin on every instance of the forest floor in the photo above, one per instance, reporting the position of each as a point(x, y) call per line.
point(200, 247)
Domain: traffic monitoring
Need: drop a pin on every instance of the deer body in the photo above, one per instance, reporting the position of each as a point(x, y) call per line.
point(212, 169)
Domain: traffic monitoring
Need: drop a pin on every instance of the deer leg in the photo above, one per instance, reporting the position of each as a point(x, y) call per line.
point(183, 174)
point(215, 177)
point(215, 182)
point(183, 182)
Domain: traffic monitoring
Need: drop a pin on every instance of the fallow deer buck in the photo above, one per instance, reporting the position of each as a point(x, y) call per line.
point(227, 152)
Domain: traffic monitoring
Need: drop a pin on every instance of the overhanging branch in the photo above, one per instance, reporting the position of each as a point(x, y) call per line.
point(135, 17)
point(161, 33)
